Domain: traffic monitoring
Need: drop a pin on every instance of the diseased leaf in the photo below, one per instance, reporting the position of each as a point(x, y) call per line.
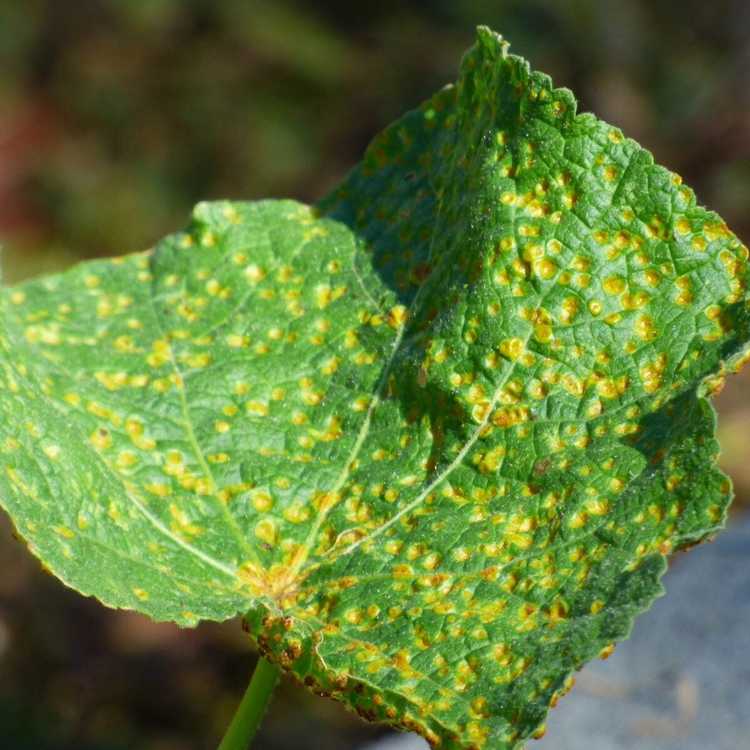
point(434, 437)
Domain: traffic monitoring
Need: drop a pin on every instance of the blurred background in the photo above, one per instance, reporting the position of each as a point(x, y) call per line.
point(116, 117)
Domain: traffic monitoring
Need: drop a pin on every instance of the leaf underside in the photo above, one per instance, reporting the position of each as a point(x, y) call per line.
point(434, 437)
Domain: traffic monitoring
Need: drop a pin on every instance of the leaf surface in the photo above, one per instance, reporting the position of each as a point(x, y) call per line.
point(434, 437)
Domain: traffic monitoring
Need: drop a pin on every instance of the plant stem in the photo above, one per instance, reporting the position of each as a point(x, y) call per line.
point(248, 716)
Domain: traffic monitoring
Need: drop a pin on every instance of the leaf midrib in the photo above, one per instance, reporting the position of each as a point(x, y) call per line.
point(187, 424)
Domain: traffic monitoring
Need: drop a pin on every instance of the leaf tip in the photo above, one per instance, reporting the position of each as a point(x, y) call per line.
point(492, 40)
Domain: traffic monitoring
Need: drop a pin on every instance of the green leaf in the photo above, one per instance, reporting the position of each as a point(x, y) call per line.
point(434, 437)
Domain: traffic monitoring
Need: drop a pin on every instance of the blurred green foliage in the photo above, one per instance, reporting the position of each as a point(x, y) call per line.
point(116, 116)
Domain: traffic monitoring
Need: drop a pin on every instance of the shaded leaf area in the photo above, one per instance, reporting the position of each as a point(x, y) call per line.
point(436, 436)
